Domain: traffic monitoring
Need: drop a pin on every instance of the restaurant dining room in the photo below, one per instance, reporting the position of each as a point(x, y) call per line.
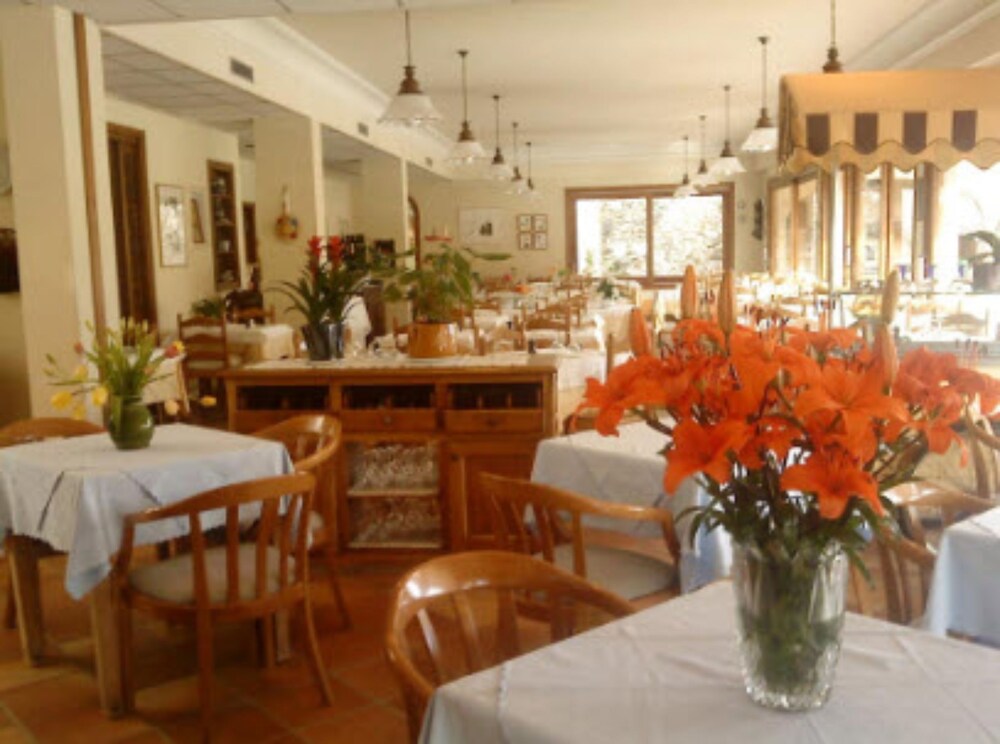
point(499, 371)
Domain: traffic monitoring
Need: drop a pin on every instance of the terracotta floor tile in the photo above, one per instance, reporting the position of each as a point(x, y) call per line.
point(237, 725)
point(375, 724)
point(15, 674)
point(374, 679)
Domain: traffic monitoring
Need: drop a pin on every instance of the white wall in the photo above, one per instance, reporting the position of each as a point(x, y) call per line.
point(14, 394)
point(177, 154)
point(342, 194)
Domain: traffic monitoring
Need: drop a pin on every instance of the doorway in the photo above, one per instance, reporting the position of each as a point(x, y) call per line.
point(130, 203)
point(250, 233)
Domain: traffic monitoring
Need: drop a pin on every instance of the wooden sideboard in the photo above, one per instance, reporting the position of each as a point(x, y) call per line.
point(416, 437)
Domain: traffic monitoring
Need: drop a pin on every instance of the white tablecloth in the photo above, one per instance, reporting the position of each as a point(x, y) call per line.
point(628, 469)
point(260, 343)
point(671, 674)
point(613, 317)
point(965, 591)
point(74, 493)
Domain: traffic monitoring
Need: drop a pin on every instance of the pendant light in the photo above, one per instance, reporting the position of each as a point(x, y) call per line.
point(499, 170)
point(518, 185)
point(832, 55)
point(467, 149)
point(411, 107)
point(703, 177)
point(728, 165)
point(764, 137)
point(686, 188)
point(533, 193)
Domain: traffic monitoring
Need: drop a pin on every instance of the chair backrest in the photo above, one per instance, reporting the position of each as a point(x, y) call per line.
point(279, 505)
point(253, 315)
point(311, 439)
point(457, 614)
point(205, 343)
point(985, 448)
point(907, 558)
point(534, 518)
point(554, 317)
point(26, 431)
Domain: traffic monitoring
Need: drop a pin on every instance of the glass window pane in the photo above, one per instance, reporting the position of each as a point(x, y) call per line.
point(687, 231)
point(968, 203)
point(611, 236)
point(902, 204)
point(870, 254)
point(782, 254)
point(809, 230)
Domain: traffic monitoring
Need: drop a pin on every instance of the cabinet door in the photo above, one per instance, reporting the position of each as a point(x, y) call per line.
point(471, 516)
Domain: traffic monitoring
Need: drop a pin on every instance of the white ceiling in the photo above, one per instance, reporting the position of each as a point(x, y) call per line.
point(136, 74)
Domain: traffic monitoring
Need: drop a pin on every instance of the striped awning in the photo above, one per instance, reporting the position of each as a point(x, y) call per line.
point(902, 117)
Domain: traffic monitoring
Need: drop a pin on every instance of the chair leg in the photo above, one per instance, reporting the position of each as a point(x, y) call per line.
point(265, 641)
point(338, 595)
point(206, 672)
point(125, 660)
point(315, 657)
point(10, 605)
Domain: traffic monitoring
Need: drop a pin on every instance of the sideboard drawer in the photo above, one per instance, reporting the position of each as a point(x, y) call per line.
point(389, 419)
point(494, 421)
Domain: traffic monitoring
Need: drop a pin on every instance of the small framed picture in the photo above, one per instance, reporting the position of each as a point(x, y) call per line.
point(540, 223)
point(524, 241)
point(173, 225)
point(524, 223)
point(540, 241)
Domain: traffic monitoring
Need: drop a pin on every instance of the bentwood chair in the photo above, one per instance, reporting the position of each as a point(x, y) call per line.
point(206, 348)
point(458, 614)
point(548, 522)
point(312, 442)
point(26, 431)
point(232, 582)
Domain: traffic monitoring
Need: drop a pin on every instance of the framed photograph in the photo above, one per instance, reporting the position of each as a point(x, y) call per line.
point(524, 241)
point(524, 223)
point(485, 227)
point(196, 201)
point(173, 225)
point(540, 223)
point(540, 241)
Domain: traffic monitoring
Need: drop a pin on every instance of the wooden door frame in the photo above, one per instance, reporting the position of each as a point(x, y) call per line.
point(412, 204)
point(123, 133)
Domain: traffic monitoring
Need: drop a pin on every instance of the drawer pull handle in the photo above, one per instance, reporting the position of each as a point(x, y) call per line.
point(387, 420)
point(492, 421)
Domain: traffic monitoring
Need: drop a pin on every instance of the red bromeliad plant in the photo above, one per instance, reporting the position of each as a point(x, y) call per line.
point(794, 434)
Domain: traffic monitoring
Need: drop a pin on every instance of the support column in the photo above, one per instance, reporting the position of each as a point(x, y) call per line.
point(289, 154)
point(384, 210)
point(50, 199)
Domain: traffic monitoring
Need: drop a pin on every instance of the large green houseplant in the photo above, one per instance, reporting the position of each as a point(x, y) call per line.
point(439, 288)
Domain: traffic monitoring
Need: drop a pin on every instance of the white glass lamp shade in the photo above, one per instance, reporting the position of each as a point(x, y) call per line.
point(499, 170)
point(411, 107)
point(761, 139)
point(702, 179)
point(685, 190)
point(466, 152)
point(727, 166)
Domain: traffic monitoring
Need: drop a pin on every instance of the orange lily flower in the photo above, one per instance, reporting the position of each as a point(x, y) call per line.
point(835, 480)
point(702, 449)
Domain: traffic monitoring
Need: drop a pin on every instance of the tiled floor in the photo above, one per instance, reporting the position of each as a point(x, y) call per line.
point(58, 702)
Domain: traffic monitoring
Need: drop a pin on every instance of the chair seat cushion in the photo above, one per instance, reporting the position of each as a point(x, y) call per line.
point(629, 575)
point(172, 580)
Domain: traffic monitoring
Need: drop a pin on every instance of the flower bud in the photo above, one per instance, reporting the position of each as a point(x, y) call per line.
point(885, 355)
point(689, 293)
point(890, 297)
point(99, 396)
point(727, 303)
point(171, 407)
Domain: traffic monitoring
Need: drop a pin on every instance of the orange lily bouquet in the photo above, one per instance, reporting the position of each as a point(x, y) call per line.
point(794, 434)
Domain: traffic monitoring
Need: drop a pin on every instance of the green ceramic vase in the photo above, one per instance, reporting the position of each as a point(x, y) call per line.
point(130, 424)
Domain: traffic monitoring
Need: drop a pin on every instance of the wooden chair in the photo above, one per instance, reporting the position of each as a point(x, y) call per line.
point(536, 519)
point(26, 431)
point(552, 318)
point(226, 583)
point(206, 348)
point(312, 442)
point(254, 315)
point(457, 614)
point(985, 448)
point(907, 558)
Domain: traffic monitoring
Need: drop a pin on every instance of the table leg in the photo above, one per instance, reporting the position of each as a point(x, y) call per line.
point(23, 555)
point(105, 631)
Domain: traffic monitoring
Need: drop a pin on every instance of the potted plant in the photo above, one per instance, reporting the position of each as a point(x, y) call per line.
point(986, 266)
point(324, 293)
point(795, 436)
point(439, 289)
point(125, 362)
point(209, 307)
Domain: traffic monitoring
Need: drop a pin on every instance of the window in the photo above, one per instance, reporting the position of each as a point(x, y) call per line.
point(646, 233)
point(968, 203)
point(796, 227)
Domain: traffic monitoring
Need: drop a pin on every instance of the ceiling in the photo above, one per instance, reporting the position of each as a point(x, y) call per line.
point(589, 79)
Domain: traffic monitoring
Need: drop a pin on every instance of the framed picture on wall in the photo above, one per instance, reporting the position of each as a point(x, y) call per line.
point(196, 201)
point(487, 227)
point(524, 241)
point(540, 223)
point(540, 241)
point(173, 225)
point(524, 223)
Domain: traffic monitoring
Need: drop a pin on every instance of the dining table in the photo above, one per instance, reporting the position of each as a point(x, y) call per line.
point(671, 674)
point(965, 592)
point(628, 469)
point(72, 495)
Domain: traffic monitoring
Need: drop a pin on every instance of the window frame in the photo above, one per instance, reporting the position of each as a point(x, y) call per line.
point(649, 193)
point(822, 181)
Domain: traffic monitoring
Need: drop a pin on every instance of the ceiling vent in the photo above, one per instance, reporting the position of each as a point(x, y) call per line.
point(429, 162)
point(362, 129)
point(241, 69)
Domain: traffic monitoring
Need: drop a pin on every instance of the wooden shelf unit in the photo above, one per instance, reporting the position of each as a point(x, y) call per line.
point(225, 237)
point(470, 420)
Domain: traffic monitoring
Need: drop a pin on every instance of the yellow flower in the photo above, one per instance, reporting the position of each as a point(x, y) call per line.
point(81, 372)
point(99, 396)
point(62, 399)
point(171, 407)
point(79, 411)
point(179, 345)
point(208, 401)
